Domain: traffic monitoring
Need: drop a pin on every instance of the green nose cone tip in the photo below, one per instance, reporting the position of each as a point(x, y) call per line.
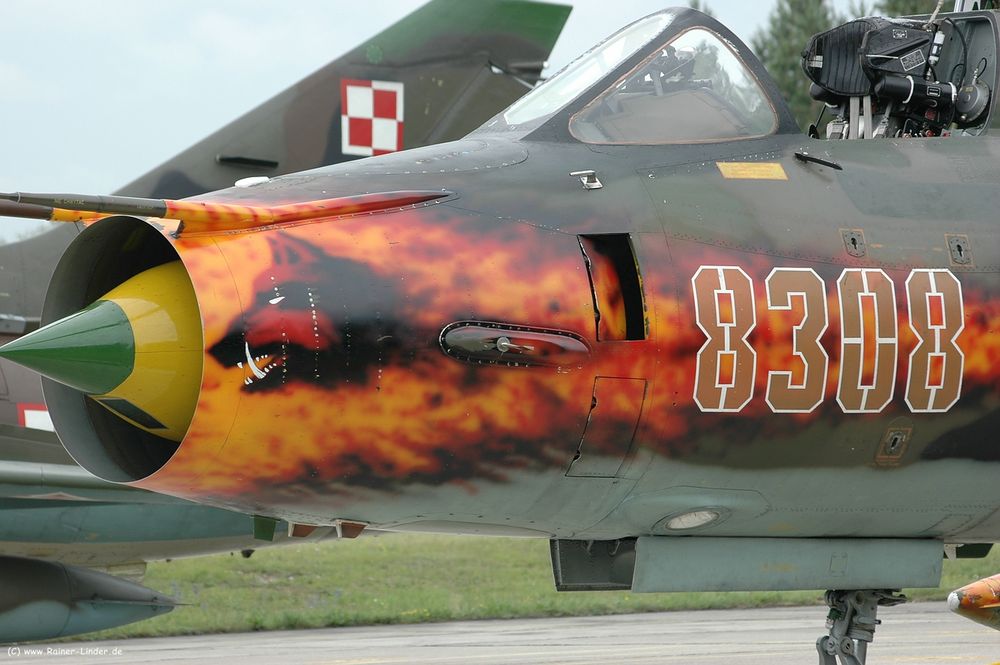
point(92, 350)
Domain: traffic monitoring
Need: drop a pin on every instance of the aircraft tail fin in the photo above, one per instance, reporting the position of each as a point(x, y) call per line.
point(433, 76)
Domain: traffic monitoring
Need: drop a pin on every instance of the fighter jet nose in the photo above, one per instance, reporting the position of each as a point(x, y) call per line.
point(92, 351)
point(954, 602)
point(137, 351)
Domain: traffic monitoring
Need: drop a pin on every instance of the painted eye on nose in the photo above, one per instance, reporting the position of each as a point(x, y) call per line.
point(260, 366)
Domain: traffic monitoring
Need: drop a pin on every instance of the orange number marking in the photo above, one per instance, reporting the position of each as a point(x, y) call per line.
point(937, 318)
point(782, 285)
point(724, 310)
point(869, 343)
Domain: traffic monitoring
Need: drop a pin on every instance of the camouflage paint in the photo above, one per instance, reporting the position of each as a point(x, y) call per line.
point(443, 53)
point(363, 416)
point(458, 61)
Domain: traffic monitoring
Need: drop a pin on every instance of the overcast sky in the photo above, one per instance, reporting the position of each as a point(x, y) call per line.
point(94, 93)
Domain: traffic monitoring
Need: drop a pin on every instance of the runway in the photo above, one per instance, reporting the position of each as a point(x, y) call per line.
point(918, 633)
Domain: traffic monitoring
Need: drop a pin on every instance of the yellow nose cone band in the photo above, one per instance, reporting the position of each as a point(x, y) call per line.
point(137, 351)
point(161, 393)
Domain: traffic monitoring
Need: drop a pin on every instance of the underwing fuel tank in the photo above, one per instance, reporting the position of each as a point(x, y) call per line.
point(44, 600)
point(979, 601)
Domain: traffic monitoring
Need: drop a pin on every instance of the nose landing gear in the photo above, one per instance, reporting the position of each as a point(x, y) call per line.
point(852, 622)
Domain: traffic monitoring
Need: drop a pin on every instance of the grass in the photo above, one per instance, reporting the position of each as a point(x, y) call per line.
point(416, 578)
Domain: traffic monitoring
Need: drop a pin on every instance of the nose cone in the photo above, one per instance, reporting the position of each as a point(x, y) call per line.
point(92, 350)
point(137, 351)
point(979, 601)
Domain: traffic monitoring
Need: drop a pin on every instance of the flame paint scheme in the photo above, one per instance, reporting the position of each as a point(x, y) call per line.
point(474, 59)
point(520, 355)
point(360, 412)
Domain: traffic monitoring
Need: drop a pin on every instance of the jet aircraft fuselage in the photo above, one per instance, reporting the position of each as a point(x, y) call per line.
point(435, 75)
point(674, 329)
point(638, 304)
point(805, 350)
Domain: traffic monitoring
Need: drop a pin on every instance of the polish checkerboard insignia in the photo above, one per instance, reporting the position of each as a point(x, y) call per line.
point(371, 117)
point(34, 416)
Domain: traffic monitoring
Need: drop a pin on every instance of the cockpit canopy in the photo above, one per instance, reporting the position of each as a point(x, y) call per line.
point(677, 76)
point(693, 89)
point(581, 74)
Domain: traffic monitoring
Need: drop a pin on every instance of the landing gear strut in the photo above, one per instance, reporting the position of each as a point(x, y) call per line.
point(852, 623)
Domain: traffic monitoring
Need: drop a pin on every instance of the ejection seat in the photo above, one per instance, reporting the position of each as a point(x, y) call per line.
point(905, 77)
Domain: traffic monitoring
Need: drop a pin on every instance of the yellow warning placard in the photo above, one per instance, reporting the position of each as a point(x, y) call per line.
point(752, 170)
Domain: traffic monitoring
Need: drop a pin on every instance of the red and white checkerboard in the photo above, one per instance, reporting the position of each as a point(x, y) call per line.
point(371, 117)
point(34, 416)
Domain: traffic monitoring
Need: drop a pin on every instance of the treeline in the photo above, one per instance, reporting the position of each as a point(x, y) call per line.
point(790, 25)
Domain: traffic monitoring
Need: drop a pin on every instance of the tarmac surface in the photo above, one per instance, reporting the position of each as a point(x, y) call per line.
point(917, 633)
